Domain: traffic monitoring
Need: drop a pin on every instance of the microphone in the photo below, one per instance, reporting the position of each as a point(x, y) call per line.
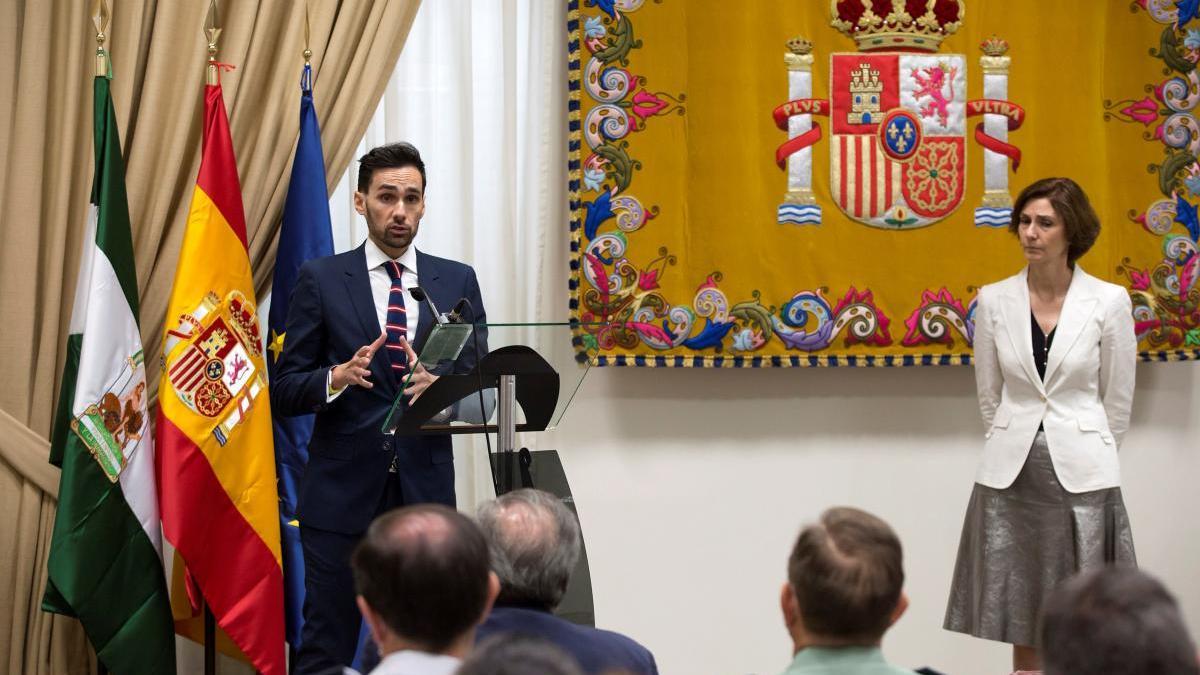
point(420, 295)
point(455, 315)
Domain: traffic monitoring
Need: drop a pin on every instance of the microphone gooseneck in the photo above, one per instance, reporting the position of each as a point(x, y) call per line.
point(420, 295)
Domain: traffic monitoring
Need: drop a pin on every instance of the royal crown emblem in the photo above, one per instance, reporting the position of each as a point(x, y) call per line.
point(210, 359)
point(897, 24)
point(898, 114)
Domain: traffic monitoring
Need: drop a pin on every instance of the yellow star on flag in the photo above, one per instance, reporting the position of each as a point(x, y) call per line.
point(276, 346)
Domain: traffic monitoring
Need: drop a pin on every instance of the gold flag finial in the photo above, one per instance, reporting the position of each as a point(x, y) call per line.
point(213, 31)
point(100, 17)
point(307, 34)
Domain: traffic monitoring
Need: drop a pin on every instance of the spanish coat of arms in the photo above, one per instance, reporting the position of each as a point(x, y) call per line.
point(210, 360)
point(898, 119)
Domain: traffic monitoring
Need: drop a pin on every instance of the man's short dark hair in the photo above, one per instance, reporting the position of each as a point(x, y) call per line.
point(535, 542)
point(1115, 620)
point(847, 573)
point(519, 654)
point(424, 570)
point(1071, 204)
point(390, 156)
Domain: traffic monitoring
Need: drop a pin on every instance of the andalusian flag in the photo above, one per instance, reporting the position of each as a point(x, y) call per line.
point(106, 553)
point(216, 464)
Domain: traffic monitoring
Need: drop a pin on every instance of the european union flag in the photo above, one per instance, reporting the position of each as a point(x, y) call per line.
point(306, 233)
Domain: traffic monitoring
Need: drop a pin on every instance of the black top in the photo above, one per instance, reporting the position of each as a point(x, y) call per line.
point(1041, 345)
point(1041, 349)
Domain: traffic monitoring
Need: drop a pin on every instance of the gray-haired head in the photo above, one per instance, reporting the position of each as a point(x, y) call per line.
point(534, 542)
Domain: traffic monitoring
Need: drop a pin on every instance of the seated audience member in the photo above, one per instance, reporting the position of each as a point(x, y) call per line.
point(519, 655)
point(423, 583)
point(534, 542)
point(843, 592)
point(1115, 620)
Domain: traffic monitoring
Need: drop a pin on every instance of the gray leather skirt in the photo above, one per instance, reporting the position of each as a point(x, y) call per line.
point(1020, 543)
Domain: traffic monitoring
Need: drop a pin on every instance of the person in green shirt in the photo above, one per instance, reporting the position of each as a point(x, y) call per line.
point(844, 590)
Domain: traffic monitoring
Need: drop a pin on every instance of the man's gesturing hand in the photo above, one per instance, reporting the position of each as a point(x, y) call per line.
point(355, 371)
point(421, 378)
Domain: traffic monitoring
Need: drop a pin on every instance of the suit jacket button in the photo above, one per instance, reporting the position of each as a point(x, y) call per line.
point(387, 445)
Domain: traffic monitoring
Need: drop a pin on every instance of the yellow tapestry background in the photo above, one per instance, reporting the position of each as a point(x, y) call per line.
point(702, 276)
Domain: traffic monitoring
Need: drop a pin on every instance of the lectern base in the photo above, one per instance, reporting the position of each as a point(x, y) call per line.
point(542, 469)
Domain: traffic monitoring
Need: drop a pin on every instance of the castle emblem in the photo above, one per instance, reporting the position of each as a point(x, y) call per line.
point(865, 92)
point(898, 119)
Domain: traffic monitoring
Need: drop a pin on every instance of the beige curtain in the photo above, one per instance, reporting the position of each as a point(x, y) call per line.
point(158, 53)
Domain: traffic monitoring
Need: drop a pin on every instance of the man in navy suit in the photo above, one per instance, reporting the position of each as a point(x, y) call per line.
point(345, 355)
point(534, 543)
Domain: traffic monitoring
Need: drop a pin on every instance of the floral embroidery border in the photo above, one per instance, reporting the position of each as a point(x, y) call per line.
point(1166, 299)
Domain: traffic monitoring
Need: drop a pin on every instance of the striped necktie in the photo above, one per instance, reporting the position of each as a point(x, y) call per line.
point(397, 322)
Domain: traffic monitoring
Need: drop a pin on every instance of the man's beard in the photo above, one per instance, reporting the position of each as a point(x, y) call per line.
point(393, 240)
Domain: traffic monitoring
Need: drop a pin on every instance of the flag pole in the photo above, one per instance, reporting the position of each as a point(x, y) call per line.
point(292, 651)
point(100, 17)
point(212, 78)
point(307, 34)
point(210, 642)
point(213, 32)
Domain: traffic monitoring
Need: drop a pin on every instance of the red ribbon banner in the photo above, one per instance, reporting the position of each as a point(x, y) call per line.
point(1015, 115)
point(800, 106)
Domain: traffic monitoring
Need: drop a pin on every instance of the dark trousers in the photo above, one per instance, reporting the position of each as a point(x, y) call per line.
point(331, 617)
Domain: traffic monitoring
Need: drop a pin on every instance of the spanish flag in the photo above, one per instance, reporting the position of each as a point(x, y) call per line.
point(216, 462)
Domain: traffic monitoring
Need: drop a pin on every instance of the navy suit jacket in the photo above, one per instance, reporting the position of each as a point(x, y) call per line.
point(596, 650)
point(331, 315)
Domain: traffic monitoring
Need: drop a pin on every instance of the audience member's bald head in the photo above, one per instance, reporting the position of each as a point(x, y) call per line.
point(1115, 620)
point(423, 573)
point(534, 541)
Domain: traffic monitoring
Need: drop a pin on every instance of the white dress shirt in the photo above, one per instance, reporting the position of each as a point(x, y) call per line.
point(381, 284)
point(409, 662)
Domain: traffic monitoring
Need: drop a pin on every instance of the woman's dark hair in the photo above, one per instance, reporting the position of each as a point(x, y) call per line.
point(1073, 208)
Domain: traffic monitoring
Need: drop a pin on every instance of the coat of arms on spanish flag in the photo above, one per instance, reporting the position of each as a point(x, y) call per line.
point(216, 461)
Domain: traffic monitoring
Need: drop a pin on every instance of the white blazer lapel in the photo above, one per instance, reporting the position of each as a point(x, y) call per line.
point(1016, 324)
point(1077, 309)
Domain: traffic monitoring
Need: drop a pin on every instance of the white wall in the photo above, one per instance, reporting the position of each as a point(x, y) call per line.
point(692, 484)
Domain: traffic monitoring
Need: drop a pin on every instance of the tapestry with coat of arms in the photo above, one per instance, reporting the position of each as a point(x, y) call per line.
point(829, 182)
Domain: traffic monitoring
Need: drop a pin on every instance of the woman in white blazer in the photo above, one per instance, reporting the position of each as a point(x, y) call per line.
point(1055, 352)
